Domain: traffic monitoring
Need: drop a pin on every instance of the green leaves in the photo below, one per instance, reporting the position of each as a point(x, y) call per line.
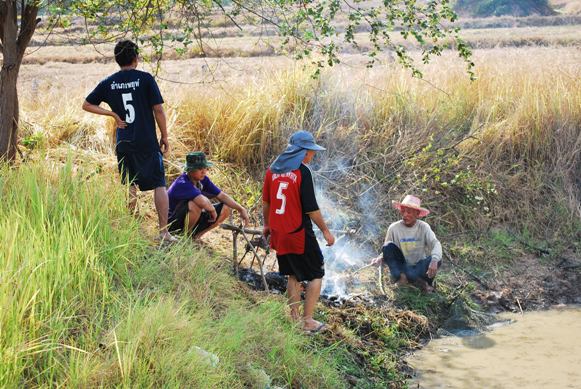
point(316, 29)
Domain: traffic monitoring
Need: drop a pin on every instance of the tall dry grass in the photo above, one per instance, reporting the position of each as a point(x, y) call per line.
point(503, 149)
point(513, 137)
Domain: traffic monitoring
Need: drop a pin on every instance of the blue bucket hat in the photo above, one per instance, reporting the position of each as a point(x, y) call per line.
point(305, 140)
point(295, 152)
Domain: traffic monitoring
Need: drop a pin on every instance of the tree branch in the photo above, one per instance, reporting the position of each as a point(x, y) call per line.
point(22, 7)
point(2, 17)
point(28, 24)
point(256, 13)
point(14, 11)
point(219, 4)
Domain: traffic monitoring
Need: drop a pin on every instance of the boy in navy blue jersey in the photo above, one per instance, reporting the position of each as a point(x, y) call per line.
point(136, 105)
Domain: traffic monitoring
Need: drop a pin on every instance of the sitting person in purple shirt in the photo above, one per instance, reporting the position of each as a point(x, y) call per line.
point(190, 208)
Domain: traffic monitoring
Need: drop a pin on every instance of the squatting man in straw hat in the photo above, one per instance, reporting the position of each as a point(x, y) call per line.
point(190, 208)
point(411, 250)
point(289, 208)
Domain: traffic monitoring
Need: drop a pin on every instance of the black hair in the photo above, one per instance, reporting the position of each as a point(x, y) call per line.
point(125, 52)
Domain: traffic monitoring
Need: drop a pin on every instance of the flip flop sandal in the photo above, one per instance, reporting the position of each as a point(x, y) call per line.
point(322, 327)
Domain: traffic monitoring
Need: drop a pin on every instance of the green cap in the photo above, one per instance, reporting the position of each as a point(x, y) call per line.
point(196, 160)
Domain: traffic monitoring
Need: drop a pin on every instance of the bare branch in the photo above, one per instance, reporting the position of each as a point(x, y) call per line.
point(2, 16)
point(22, 7)
point(13, 4)
point(254, 12)
point(28, 24)
point(226, 14)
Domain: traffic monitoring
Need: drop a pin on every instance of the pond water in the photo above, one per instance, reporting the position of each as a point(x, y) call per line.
point(537, 350)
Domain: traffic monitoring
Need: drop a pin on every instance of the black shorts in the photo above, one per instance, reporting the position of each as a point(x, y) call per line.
point(177, 220)
point(307, 266)
point(142, 169)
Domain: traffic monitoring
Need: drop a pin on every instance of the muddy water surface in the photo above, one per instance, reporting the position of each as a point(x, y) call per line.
point(538, 350)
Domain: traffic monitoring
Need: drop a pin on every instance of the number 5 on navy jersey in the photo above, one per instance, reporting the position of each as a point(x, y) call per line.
point(130, 116)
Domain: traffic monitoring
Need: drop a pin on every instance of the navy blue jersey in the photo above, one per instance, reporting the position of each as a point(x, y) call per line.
point(131, 94)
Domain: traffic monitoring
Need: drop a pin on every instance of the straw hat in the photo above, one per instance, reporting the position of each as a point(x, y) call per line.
point(411, 202)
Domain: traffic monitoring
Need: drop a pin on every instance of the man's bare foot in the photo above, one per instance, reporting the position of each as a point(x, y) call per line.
point(200, 243)
point(403, 280)
point(425, 287)
point(295, 315)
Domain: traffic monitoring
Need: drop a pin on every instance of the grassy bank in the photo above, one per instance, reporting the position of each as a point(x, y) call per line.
point(86, 301)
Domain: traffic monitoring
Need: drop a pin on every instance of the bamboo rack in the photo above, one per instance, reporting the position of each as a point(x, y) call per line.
point(239, 230)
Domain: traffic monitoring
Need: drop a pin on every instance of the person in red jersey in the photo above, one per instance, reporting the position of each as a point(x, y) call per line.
point(289, 209)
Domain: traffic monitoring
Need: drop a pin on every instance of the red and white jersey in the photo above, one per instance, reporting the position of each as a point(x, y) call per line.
point(283, 193)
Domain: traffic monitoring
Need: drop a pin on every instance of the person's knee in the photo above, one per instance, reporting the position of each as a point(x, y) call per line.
point(194, 212)
point(193, 207)
point(389, 250)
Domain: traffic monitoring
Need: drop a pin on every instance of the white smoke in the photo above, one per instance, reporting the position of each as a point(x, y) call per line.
point(351, 250)
point(354, 221)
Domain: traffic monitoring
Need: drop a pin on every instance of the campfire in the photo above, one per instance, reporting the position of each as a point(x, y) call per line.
point(348, 273)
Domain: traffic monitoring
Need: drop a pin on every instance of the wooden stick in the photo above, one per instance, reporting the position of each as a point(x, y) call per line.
point(235, 251)
point(231, 227)
point(235, 262)
point(381, 279)
point(260, 263)
point(518, 302)
point(361, 268)
point(242, 259)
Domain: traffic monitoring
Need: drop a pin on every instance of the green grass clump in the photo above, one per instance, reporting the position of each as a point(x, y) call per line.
point(86, 301)
point(65, 245)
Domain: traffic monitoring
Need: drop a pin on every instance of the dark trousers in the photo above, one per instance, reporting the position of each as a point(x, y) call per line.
point(396, 262)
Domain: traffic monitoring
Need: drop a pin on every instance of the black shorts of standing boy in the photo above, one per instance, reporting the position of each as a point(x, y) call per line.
point(177, 220)
point(307, 266)
point(396, 262)
point(142, 169)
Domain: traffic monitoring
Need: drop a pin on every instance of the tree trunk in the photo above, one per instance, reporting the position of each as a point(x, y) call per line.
point(8, 112)
point(13, 44)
